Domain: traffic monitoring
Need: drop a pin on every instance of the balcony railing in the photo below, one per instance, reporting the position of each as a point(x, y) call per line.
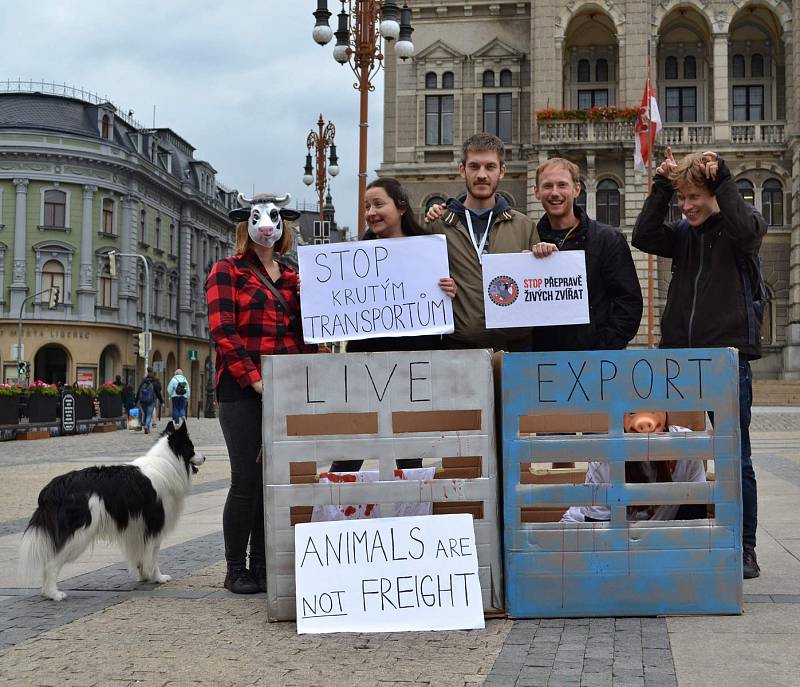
point(687, 134)
point(758, 132)
point(573, 131)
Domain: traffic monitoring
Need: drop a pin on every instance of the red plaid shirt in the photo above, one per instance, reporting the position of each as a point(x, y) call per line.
point(247, 321)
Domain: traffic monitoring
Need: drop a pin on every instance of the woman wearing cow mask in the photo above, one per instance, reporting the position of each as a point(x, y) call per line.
point(388, 215)
point(253, 310)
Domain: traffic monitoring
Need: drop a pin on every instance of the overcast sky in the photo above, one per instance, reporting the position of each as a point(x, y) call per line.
point(242, 81)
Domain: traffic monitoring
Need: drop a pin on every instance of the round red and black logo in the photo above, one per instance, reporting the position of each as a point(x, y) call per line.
point(503, 290)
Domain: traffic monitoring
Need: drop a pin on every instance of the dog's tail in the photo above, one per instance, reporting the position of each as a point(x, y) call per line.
point(36, 549)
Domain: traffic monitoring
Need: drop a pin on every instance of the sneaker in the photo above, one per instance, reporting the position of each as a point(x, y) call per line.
point(239, 581)
point(259, 575)
point(750, 567)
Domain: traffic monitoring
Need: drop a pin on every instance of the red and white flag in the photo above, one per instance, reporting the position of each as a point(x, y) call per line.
point(647, 126)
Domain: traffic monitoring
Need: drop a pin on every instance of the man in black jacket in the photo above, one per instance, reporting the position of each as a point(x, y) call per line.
point(714, 253)
point(615, 296)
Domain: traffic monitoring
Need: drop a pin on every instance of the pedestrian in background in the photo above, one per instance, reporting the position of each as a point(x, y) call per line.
point(147, 394)
point(178, 391)
point(711, 301)
point(253, 310)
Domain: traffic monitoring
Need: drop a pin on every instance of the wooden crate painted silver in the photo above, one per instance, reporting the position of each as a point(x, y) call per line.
point(318, 386)
point(619, 568)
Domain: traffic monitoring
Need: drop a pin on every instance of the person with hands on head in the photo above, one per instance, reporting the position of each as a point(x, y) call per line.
point(715, 271)
point(483, 222)
point(253, 310)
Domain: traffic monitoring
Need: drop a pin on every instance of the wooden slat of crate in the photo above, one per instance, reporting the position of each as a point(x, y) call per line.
point(533, 514)
point(474, 508)
point(331, 424)
point(300, 514)
point(551, 475)
point(405, 421)
point(32, 434)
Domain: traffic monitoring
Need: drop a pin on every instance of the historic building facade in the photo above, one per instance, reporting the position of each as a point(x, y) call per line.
point(78, 180)
point(724, 74)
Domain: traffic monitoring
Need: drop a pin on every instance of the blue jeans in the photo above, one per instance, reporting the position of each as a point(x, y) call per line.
point(147, 412)
point(749, 487)
point(178, 407)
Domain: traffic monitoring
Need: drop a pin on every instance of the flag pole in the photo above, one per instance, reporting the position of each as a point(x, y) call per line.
point(650, 145)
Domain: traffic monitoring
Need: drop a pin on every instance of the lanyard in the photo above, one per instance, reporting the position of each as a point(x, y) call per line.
point(478, 249)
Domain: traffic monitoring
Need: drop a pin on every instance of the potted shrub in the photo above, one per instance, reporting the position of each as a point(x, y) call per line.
point(9, 403)
point(42, 402)
point(110, 396)
point(84, 402)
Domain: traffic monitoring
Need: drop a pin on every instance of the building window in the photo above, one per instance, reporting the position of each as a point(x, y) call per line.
point(173, 296)
point(53, 277)
point(157, 237)
point(671, 67)
point(681, 104)
point(689, 67)
point(608, 202)
point(772, 202)
point(158, 290)
point(108, 216)
point(105, 286)
point(488, 79)
point(584, 71)
point(448, 81)
point(505, 78)
point(601, 70)
point(140, 290)
point(497, 115)
point(757, 66)
point(580, 201)
point(171, 238)
point(737, 66)
point(746, 191)
point(439, 120)
point(143, 227)
point(105, 127)
point(595, 97)
point(55, 209)
point(205, 252)
point(748, 103)
point(430, 80)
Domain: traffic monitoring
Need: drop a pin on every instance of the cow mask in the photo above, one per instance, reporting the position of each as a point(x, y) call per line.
point(264, 215)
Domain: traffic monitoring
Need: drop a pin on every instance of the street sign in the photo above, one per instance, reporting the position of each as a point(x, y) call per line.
point(68, 412)
point(193, 355)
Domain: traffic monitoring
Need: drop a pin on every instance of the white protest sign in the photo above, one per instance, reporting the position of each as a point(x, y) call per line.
point(387, 575)
point(522, 291)
point(368, 289)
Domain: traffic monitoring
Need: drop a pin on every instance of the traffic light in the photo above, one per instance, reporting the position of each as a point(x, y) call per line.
point(21, 370)
point(145, 343)
point(27, 370)
point(112, 264)
point(55, 292)
point(136, 345)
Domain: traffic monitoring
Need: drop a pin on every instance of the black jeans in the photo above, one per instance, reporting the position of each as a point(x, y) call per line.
point(243, 516)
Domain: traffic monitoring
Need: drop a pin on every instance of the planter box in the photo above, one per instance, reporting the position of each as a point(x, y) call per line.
point(42, 408)
point(9, 410)
point(84, 407)
point(110, 404)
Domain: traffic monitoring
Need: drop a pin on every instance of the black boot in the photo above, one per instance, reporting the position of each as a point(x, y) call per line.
point(259, 575)
point(239, 581)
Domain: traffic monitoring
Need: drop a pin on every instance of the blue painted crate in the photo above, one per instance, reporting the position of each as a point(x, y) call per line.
point(620, 568)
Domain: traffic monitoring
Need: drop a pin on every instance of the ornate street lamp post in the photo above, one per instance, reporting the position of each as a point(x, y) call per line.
point(361, 27)
point(319, 142)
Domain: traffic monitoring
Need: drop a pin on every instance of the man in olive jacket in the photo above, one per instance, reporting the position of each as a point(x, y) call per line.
point(710, 302)
point(483, 223)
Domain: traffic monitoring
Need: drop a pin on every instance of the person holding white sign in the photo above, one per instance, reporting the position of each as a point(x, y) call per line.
point(483, 223)
point(615, 296)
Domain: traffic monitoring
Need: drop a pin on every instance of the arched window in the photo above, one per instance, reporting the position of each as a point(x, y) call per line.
point(505, 78)
point(767, 337)
point(171, 238)
point(689, 67)
point(55, 209)
point(608, 202)
point(488, 79)
point(756, 65)
point(435, 200)
point(105, 285)
point(447, 80)
point(430, 80)
point(746, 191)
point(53, 277)
point(157, 239)
point(108, 216)
point(772, 202)
point(105, 126)
point(737, 66)
point(584, 71)
point(671, 67)
point(601, 70)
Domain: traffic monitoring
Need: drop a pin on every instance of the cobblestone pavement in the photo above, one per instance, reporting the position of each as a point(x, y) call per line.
point(113, 631)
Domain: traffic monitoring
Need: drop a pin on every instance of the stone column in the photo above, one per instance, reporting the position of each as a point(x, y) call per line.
point(591, 186)
point(19, 286)
point(128, 268)
point(722, 127)
point(185, 314)
point(86, 288)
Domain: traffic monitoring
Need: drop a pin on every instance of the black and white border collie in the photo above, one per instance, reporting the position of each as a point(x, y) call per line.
point(135, 505)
